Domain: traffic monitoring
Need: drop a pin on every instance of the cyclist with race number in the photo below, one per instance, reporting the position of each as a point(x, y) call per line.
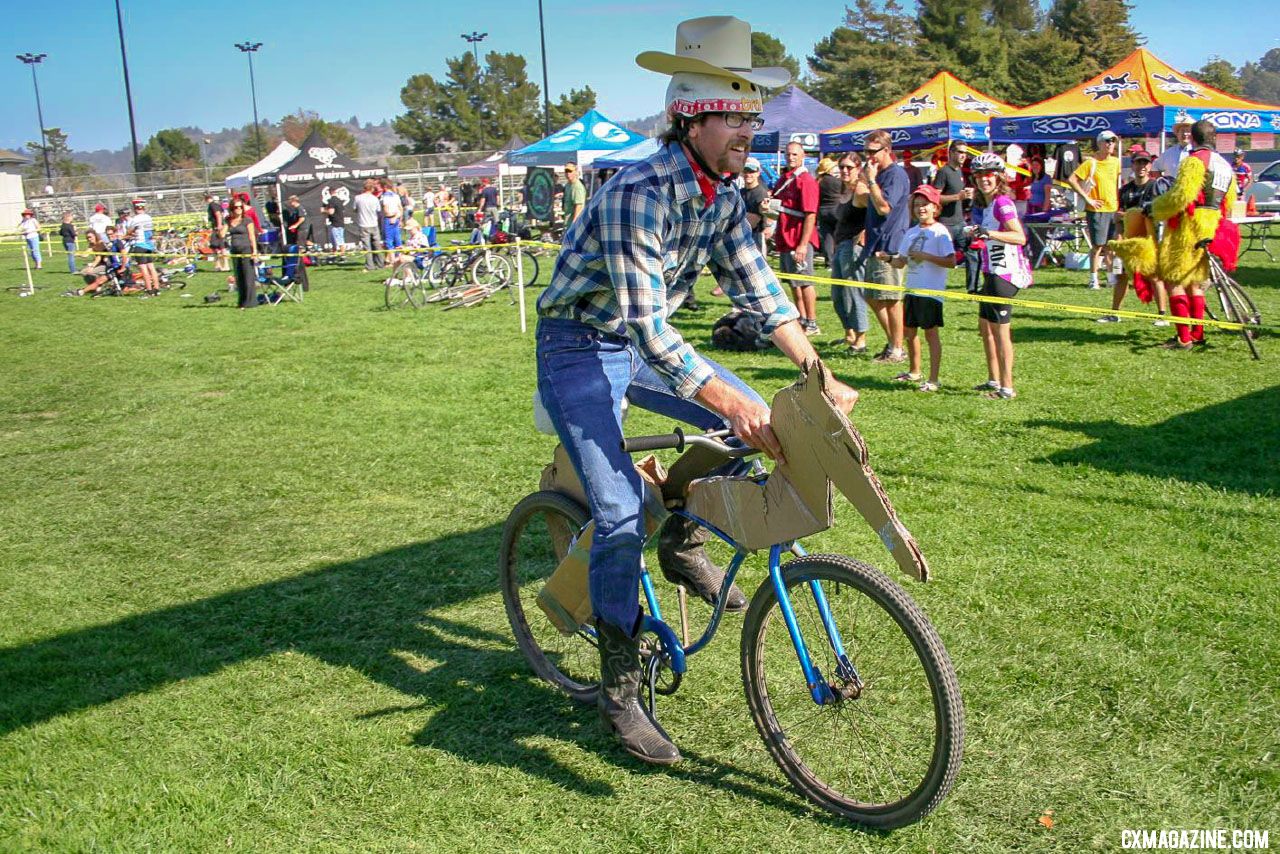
point(604, 335)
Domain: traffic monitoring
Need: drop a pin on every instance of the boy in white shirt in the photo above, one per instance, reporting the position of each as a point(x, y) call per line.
point(928, 253)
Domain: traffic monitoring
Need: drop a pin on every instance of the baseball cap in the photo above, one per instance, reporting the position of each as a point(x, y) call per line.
point(100, 207)
point(1137, 152)
point(752, 165)
point(1107, 136)
point(929, 192)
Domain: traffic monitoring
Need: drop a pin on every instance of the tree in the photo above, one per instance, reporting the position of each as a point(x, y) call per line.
point(60, 162)
point(298, 126)
point(169, 149)
point(247, 151)
point(572, 105)
point(957, 35)
point(871, 61)
point(1101, 29)
point(767, 51)
point(1220, 74)
point(1047, 63)
point(1259, 84)
point(467, 108)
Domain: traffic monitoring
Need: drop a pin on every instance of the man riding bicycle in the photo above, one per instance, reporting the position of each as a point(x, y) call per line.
point(604, 336)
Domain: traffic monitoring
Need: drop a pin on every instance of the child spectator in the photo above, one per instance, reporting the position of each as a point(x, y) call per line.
point(29, 227)
point(927, 252)
point(67, 231)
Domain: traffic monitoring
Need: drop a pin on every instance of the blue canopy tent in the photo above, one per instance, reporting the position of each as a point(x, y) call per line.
point(642, 150)
point(794, 114)
point(580, 142)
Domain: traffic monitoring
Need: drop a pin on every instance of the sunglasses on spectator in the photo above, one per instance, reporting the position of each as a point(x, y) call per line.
point(875, 150)
point(737, 120)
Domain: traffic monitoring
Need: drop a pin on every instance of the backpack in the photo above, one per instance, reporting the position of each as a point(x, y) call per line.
point(739, 331)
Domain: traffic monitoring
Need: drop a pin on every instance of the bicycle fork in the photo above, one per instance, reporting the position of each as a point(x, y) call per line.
point(850, 685)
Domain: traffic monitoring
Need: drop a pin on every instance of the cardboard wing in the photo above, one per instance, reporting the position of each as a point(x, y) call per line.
point(822, 448)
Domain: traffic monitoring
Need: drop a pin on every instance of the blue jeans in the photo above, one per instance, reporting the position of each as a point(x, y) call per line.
point(849, 303)
point(337, 236)
point(70, 246)
point(583, 376)
point(972, 259)
point(33, 246)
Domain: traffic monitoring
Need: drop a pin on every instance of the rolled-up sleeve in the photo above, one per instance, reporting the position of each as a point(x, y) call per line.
point(746, 277)
point(630, 226)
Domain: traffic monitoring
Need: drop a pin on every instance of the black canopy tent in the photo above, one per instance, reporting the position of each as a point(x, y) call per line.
point(317, 172)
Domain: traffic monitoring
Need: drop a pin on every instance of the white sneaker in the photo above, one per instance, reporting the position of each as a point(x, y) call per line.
point(1108, 318)
point(1160, 323)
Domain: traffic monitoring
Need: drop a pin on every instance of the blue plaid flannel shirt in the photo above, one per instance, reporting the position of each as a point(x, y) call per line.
point(639, 247)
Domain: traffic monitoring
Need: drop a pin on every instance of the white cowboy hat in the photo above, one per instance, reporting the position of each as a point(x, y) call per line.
point(719, 45)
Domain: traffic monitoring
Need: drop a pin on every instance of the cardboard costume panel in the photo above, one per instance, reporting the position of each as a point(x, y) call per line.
point(822, 448)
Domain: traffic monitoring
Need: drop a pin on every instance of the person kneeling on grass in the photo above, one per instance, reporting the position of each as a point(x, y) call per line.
point(927, 252)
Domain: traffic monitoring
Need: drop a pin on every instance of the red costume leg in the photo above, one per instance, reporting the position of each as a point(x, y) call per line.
point(1197, 311)
point(1180, 306)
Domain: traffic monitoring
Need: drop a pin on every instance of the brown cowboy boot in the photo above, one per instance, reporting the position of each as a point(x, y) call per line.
point(684, 561)
point(619, 701)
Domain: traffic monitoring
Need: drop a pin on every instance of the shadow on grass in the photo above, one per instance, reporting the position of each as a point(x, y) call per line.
point(377, 615)
point(1233, 446)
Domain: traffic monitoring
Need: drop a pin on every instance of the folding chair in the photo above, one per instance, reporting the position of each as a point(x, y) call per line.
point(277, 289)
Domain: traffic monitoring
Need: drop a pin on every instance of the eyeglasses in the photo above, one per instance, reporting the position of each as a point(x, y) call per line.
point(874, 150)
point(737, 120)
point(848, 167)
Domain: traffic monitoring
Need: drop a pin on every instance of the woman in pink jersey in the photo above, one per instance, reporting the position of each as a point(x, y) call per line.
point(1005, 270)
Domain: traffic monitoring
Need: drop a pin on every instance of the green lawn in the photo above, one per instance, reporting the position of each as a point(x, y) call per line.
point(248, 586)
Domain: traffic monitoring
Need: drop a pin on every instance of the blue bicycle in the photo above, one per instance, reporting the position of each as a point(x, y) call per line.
point(847, 682)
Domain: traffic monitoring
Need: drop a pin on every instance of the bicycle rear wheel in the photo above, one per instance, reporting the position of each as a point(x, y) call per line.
point(887, 754)
point(537, 536)
point(528, 267)
point(401, 286)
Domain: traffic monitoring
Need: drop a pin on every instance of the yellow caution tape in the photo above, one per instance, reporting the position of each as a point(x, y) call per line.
point(1025, 303)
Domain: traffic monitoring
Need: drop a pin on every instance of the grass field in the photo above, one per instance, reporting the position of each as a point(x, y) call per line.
point(248, 586)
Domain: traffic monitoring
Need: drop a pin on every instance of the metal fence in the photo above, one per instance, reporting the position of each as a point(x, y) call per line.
point(182, 191)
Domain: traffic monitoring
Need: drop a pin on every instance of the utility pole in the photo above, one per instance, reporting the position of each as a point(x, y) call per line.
point(250, 48)
point(475, 38)
point(546, 90)
point(128, 93)
point(34, 59)
point(204, 151)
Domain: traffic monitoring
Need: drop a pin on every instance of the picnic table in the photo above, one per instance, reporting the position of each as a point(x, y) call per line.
point(1254, 231)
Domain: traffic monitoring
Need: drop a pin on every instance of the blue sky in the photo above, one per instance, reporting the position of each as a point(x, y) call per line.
point(344, 59)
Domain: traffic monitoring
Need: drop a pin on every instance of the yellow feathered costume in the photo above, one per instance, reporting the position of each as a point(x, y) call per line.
point(1178, 261)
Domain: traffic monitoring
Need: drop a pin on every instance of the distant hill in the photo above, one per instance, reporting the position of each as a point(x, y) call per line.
point(375, 141)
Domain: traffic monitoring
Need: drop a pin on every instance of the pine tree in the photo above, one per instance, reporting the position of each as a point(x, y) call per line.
point(1219, 74)
point(1100, 27)
point(957, 35)
point(571, 106)
point(871, 61)
point(169, 149)
point(1046, 63)
point(60, 162)
point(768, 51)
point(298, 126)
point(467, 108)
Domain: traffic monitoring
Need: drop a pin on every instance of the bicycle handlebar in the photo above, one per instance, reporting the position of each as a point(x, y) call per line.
point(678, 440)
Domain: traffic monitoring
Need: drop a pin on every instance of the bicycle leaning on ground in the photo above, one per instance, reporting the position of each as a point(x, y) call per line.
point(846, 680)
point(1236, 304)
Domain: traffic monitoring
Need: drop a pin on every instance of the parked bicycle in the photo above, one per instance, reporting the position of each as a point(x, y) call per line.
point(1235, 302)
point(846, 680)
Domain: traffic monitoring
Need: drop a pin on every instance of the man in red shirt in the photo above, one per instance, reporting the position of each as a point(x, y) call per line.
point(796, 237)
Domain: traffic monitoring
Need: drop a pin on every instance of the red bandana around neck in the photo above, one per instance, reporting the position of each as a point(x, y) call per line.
point(706, 183)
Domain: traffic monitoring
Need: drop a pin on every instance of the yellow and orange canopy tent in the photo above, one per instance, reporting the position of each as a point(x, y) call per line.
point(1139, 95)
point(943, 108)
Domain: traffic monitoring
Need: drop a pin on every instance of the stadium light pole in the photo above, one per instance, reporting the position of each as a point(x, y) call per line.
point(249, 49)
point(204, 150)
point(34, 59)
point(546, 92)
point(128, 93)
point(475, 38)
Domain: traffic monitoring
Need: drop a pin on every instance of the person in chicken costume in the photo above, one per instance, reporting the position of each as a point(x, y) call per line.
point(1191, 210)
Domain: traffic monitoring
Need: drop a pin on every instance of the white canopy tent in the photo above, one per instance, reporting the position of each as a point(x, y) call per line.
point(282, 154)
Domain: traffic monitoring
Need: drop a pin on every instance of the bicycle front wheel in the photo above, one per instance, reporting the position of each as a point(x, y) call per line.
point(537, 536)
point(887, 753)
point(489, 270)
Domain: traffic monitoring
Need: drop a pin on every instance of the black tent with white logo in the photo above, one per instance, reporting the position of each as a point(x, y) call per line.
point(317, 172)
